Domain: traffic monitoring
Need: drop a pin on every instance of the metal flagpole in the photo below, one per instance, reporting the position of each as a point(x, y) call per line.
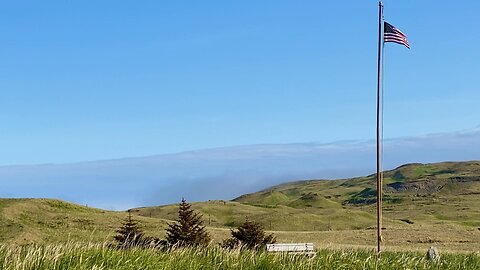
point(379, 95)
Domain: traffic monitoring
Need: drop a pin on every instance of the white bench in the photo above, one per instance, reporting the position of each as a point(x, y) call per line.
point(296, 248)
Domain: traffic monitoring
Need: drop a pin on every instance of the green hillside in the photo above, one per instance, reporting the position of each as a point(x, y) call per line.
point(424, 204)
point(446, 192)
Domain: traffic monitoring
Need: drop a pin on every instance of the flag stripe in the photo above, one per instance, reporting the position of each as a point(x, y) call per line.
point(399, 42)
point(387, 39)
point(395, 37)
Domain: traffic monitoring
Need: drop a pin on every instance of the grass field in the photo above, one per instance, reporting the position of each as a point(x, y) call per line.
point(97, 256)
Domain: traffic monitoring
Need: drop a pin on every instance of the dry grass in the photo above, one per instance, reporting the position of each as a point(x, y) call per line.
point(99, 256)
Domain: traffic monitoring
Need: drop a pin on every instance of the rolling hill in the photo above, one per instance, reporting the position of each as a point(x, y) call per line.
point(423, 204)
point(427, 193)
point(27, 221)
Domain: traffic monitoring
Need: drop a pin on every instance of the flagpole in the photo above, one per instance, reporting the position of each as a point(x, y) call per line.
point(379, 93)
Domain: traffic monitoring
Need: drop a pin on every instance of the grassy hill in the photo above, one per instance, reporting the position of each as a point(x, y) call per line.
point(446, 192)
point(25, 221)
point(424, 204)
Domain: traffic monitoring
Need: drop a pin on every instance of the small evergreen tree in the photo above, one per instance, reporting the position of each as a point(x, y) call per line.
point(249, 235)
point(188, 230)
point(129, 234)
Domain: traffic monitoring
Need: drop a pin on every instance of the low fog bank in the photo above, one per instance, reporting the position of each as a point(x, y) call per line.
point(223, 173)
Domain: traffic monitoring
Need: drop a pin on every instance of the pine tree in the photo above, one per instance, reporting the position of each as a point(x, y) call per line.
point(129, 234)
point(188, 230)
point(250, 235)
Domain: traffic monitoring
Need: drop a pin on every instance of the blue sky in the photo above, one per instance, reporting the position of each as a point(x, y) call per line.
point(108, 79)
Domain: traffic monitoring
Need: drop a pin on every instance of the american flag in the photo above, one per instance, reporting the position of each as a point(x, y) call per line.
point(392, 34)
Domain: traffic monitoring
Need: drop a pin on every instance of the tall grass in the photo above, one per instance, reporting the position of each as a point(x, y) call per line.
point(98, 256)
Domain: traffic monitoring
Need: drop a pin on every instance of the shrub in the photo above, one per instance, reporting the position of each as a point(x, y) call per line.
point(249, 235)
